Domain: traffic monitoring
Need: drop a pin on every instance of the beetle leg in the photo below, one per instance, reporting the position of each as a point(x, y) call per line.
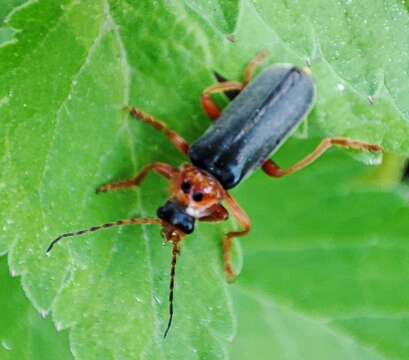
point(251, 68)
point(216, 213)
point(180, 143)
point(272, 169)
point(163, 169)
point(245, 222)
point(209, 106)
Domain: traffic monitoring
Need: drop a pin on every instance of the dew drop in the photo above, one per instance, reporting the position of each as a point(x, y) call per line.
point(59, 326)
point(6, 344)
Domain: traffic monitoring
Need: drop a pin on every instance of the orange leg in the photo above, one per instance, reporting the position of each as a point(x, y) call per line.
point(272, 169)
point(251, 68)
point(210, 106)
point(161, 168)
point(245, 222)
point(180, 143)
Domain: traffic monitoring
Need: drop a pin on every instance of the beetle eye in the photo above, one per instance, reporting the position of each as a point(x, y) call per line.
point(197, 197)
point(186, 186)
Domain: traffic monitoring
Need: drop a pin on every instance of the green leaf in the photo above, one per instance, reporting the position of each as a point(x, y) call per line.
point(65, 134)
point(326, 267)
point(7, 9)
point(6, 36)
point(9, 6)
point(67, 73)
point(272, 330)
point(358, 55)
point(24, 334)
point(219, 13)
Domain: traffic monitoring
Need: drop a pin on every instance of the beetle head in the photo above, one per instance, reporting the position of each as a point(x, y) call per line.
point(196, 190)
point(176, 220)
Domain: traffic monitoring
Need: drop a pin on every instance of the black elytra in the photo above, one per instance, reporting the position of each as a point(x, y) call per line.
point(255, 124)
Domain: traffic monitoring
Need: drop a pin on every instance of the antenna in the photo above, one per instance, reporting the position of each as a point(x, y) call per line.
point(175, 253)
point(135, 221)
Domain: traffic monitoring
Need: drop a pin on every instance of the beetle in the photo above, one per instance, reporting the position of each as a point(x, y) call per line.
point(242, 139)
